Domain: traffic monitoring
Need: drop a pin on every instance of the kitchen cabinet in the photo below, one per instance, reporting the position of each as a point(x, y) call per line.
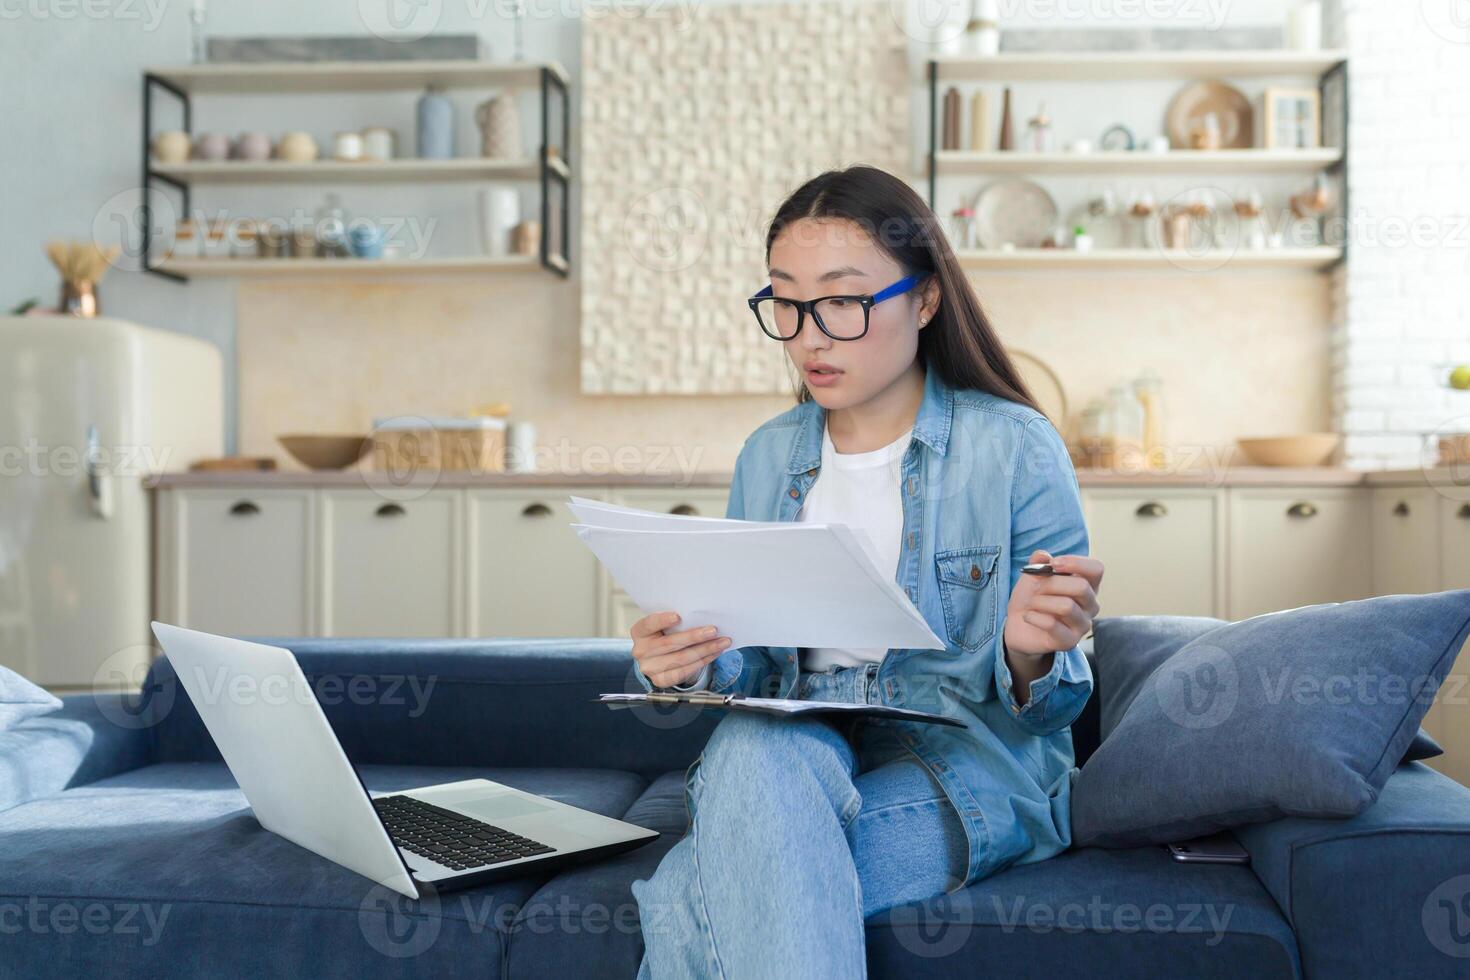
point(1163, 549)
point(1296, 547)
point(501, 561)
point(1405, 524)
point(529, 573)
point(239, 561)
point(1449, 717)
point(390, 567)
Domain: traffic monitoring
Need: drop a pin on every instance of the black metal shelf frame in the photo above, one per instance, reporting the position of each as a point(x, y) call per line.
point(559, 263)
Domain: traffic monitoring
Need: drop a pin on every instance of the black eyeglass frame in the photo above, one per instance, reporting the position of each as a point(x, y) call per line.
point(805, 306)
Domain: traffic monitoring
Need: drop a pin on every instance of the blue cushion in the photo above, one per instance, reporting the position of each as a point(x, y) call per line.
point(20, 699)
point(462, 703)
point(1135, 914)
point(1093, 913)
point(1303, 712)
point(208, 892)
point(1130, 648)
point(1383, 894)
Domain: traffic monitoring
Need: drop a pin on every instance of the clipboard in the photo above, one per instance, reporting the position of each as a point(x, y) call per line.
point(780, 707)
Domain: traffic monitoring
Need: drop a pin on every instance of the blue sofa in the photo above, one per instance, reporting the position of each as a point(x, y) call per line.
point(127, 850)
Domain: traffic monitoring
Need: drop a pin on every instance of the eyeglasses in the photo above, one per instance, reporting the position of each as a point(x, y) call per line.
point(839, 317)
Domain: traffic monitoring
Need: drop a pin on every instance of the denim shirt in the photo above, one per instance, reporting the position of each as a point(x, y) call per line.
point(985, 481)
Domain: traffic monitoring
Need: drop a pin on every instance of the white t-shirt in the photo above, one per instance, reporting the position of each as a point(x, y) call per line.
point(863, 491)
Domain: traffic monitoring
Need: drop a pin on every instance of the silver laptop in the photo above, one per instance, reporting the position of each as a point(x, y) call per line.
point(273, 735)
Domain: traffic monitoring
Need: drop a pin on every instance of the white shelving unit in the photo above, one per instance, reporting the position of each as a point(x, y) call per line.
point(341, 172)
point(351, 76)
point(1173, 162)
point(1082, 66)
point(551, 165)
point(1141, 259)
point(290, 268)
point(1127, 66)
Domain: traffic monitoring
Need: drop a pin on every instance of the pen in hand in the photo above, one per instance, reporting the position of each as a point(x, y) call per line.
point(1043, 568)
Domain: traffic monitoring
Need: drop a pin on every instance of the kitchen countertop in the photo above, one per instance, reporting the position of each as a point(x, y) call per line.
point(1231, 476)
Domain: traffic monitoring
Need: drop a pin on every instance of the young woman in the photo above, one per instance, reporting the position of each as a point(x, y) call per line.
point(912, 424)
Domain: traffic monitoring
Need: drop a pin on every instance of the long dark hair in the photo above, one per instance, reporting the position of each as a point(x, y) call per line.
point(959, 342)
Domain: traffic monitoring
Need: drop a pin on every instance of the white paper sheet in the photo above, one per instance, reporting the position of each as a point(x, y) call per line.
point(768, 583)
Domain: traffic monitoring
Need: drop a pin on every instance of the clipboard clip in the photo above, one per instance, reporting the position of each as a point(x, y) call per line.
point(692, 697)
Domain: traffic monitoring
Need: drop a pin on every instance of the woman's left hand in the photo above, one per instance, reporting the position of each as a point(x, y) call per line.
point(1048, 613)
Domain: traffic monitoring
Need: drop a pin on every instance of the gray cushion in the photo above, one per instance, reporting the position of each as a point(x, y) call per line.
point(1130, 648)
point(20, 699)
point(1303, 712)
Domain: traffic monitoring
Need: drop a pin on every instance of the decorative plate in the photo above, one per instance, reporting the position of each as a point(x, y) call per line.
point(1014, 212)
point(1199, 99)
point(1044, 385)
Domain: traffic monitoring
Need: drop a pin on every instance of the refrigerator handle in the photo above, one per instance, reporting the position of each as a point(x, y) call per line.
point(99, 491)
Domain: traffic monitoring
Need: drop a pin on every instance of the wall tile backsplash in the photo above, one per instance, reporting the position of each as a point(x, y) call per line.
point(693, 131)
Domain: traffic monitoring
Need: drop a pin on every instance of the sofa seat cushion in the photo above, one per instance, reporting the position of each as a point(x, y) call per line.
point(204, 890)
point(1133, 913)
point(1104, 913)
point(587, 916)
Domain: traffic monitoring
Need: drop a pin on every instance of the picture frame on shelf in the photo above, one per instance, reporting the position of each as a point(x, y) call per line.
point(1289, 119)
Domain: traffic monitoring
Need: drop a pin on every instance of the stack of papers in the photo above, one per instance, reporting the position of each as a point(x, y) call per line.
point(761, 583)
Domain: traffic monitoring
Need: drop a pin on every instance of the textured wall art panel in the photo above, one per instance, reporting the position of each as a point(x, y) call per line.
point(695, 126)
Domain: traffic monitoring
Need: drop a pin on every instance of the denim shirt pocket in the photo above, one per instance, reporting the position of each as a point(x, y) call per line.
point(969, 593)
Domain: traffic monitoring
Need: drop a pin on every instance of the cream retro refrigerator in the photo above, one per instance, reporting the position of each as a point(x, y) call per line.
point(88, 410)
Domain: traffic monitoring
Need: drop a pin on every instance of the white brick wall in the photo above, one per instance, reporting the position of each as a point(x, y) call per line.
point(1401, 303)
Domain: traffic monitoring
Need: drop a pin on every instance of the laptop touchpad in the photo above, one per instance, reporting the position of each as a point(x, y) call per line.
point(491, 807)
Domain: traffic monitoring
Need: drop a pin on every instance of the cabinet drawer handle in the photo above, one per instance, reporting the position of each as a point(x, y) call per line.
point(1463, 512)
point(1151, 509)
point(245, 508)
point(536, 510)
point(1302, 509)
point(1401, 509)
point(390, 510)
point(687, 510)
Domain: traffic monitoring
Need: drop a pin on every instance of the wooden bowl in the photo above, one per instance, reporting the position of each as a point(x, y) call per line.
point(318, 452)
point(1306, 449)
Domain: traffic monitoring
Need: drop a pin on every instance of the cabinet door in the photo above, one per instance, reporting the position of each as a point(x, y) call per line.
point(530, 575)
point(392, 568)
point(238, 561)
point(622, 613)
point(692, 501)
point(618, 610)
point(1162, 549)
point(1405, 540)
point(1449, 717)
point(1297, 547)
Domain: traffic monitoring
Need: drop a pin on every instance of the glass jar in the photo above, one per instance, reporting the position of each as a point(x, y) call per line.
point(1148, 390)
point(1126, 430)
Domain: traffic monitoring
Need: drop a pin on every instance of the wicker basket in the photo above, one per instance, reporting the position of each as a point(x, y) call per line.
point(473, 445)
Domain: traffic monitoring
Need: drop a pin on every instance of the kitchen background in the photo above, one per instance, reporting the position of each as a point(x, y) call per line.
point(1362, 350)
point(621, 350)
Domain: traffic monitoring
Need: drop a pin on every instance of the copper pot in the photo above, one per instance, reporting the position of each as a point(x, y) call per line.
point(79, 298)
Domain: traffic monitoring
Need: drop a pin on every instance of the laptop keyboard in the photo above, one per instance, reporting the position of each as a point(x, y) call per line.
point(451, 839)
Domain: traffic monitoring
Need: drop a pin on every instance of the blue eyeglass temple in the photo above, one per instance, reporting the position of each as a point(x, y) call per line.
point(888, 292)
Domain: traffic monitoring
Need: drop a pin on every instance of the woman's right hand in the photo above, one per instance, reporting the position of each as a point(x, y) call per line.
point(668, 658)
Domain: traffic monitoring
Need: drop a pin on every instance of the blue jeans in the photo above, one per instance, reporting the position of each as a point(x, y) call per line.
point(801, 830)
